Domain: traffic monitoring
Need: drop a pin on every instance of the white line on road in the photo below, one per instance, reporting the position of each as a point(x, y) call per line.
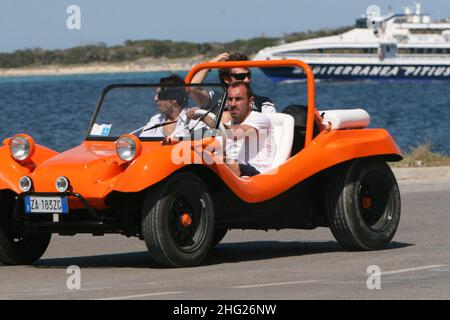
point(48, 292)
point(92, 289)
point(145, 295)
point(413, 269)
point(274, 284)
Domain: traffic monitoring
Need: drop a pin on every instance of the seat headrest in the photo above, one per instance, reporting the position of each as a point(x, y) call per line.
point(345, 119)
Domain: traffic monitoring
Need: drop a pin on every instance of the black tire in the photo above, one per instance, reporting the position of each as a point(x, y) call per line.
point(18, 247)
point(171, 242)
point(363, 204)
point(219, 234)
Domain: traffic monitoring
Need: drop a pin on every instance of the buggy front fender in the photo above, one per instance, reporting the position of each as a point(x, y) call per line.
point(153, 167)
point(11, 170)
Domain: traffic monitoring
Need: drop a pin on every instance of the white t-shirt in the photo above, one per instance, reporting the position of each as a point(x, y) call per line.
point(180, 127)
point(257, 150)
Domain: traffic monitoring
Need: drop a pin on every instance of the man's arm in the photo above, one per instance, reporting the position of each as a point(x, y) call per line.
point(201, 75)
point(253, 125)
point(190, 113)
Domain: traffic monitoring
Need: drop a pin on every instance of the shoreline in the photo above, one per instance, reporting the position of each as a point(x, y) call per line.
point(421, 173)
point(143, 65)
point(425, 179)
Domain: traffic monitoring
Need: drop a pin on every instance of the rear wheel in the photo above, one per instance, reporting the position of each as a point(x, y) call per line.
point(178, 221)
point(363, 204)
point(18, 247)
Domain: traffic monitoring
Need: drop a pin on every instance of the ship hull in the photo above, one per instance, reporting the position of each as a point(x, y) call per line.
point(356, 72)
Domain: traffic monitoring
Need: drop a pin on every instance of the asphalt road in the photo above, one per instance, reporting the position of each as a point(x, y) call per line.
point(289, 264)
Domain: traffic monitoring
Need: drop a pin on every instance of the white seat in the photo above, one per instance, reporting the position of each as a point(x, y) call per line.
point(283, 129)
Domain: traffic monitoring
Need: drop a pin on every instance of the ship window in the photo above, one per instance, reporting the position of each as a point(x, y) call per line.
point(425, 31)
point(405, 50)
point(334, 51)
point(423, 51)
point(400, 20)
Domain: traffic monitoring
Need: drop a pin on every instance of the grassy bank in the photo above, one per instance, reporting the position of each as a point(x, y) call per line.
point(134, 50)
point(422, 156)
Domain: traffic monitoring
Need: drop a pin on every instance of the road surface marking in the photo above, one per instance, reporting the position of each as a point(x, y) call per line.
point(145, 295)
point(274, 284)
point(92, 289)
point(413, 269)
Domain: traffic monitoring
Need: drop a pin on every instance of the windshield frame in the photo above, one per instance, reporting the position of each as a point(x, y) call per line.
point(88, 137)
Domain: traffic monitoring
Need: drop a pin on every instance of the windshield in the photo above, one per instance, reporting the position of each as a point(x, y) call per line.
point(153, 111)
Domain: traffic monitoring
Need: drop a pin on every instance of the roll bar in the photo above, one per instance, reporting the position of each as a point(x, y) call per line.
point(267, 64)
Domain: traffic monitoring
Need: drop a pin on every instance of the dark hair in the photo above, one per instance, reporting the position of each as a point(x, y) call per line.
point(225, 73)
point(243, 84)
point(173, 88)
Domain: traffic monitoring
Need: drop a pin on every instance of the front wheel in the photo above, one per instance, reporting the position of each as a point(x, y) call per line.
point(219, 234)
point(178, 221)
point(363, 204)
point(18, 247)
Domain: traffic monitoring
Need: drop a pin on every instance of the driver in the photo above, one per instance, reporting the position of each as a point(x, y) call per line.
point(171, 99)
point(249, 148)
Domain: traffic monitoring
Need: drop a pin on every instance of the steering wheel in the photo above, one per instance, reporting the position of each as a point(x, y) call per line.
point(201, 112)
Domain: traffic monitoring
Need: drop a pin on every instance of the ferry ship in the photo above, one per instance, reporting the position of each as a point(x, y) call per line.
point(407, 46)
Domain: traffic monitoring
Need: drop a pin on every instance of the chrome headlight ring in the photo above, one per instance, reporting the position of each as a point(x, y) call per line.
point(62, 184)
point(128, 147)
point(21, 147)
point(25, 183)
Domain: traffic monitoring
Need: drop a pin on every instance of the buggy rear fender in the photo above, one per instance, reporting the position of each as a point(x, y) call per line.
point(327, 150)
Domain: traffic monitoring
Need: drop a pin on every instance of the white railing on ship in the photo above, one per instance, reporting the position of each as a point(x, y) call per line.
point(424, 56)
point(323, 55)
point(367, 56)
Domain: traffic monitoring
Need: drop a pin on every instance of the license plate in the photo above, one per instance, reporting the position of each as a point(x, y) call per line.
point(46, 204)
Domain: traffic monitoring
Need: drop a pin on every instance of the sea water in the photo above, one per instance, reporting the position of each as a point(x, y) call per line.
point(56, 110)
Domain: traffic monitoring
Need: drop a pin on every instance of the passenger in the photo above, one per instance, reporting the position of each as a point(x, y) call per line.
point(250, 142)
point(228, 76)
point(171, 99)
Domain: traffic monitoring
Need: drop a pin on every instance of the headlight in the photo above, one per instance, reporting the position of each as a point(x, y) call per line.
point(25, 184)
point(128, 147)
point(21, 147)
point(62, 184)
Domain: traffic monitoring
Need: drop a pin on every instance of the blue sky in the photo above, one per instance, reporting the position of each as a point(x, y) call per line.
point(29, 24)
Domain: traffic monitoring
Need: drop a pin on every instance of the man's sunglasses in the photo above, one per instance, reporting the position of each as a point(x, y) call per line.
point(241, 76)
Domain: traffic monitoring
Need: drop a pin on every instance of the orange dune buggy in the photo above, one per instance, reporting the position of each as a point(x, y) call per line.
point(328, 171)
